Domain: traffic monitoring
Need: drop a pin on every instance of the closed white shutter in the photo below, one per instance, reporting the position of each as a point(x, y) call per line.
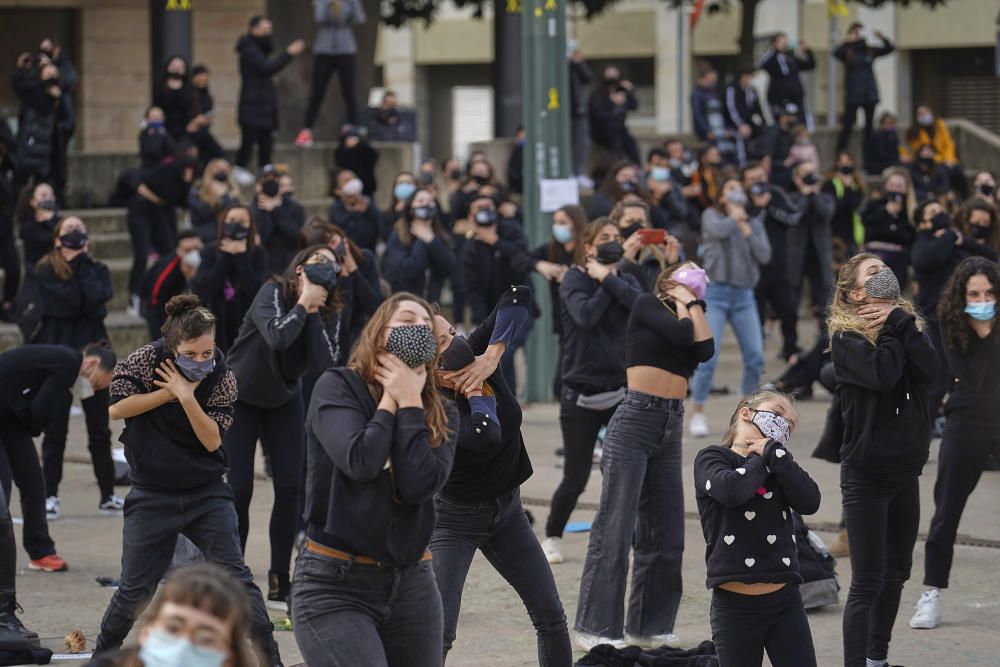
point(471, 117)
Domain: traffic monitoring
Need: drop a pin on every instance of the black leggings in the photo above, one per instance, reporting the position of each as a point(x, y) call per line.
point(95, 410)
point(847, 126)
point(281, 431)
point(149, 225)
point(580, 427)
point(775, 291)
point(263, 137)
point(8, 551)
point(9, 260)
point(882, 518)
point(744, 626)
point(324, 65)
point(19, 463)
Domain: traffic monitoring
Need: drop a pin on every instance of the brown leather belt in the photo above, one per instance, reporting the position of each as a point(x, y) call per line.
point(323, 550)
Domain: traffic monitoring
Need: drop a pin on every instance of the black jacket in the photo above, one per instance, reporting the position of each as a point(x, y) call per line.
point(812, 231)
point(972, 403)
point(880, 225)
point(163, 281)
point(881, 151)
point(930, 182)
point(37, 239)
point(361, 160)
point(45, 124)
point(408, 268)
point(360, 296)
point(846, 208)
point(491, 270)
point(354, 501)
point(743, 107)
point(228, 284)
point(36, 378)
point(607, 121)
point(541, 253)
point(258, 103)
point(860, 87)
point(205, 217)
point(279, 232)
point(784, 68)
point(934, 258)
point(73, 310)
point(361, 227)
point(177, 109)
point(580, 77)
point(781, 214)
point(883, 394)
point(155, 144)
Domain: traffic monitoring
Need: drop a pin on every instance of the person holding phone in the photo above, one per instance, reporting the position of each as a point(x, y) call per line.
point(648, 250)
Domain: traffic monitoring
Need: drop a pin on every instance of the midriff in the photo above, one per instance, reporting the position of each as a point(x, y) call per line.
point(750, 589)
point(656, 381)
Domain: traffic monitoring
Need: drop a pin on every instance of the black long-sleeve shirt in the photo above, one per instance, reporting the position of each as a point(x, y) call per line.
point(934, 258)
point(408, 267)
point(228, 283)
point(73, 310)
point(491, 270)
point(371, 475)
point(745, 508)
point(37, 238)
point(34, 379)
point(279, 232)
point(362, 227)
point(880, 225)
point(972, 402)
point(361, 295)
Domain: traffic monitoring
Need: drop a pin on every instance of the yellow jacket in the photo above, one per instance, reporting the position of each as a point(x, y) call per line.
point(944, 145)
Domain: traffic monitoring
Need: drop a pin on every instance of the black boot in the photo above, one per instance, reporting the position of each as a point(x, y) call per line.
point(9, 620)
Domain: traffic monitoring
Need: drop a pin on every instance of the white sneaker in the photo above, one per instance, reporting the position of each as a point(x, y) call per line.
point(655, 641)
point(928, 614)
point(52, 508)
point(588, 641)
point(699, 425)
point(113, 506)
point(132, 308)
point(552, 546)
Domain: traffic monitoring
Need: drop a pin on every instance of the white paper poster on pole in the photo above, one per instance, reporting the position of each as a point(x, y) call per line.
point(558, 192)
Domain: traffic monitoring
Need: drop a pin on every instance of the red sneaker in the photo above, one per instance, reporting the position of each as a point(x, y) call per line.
point(304, 139)
point(51, 563)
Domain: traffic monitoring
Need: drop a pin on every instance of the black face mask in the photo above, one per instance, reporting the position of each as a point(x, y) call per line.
point(47, 205)
point(458, 355)
point(630, 230)
point(175, 76)
point(426, 178)
point(986, 189)
point(610, 252)
point(235, 231)
point(486, 217)
point(74, 240)
point(221, 176)
point(269, 187)
point(941, 221)
point(979, 231)
point(845, 169)
point(629, 186)
point(265, 43)
point(323, 274)
point(424, 212)
point(340, 250)
point(455, 174)
point(926, 162)
point(480, 179)
point(897, 197)
point(810, 179)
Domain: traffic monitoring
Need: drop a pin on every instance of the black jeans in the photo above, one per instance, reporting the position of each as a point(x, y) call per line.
point(744, 626)
point(281, 431)
point(95, 410)
point(263, 137)
point(775, 291)
point(942, 383)
point(149, 225)
point(348, 615)
point(882, 518)
point(499, 528)
point(847, 124)
point(8, 551)
point(9, 260)
point(19, 463)
point(208, 145)
point(963, 457)
point(580, 427)
point(153, 520)
point(324, 65)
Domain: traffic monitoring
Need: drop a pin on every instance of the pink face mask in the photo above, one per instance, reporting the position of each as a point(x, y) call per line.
point(693, 278)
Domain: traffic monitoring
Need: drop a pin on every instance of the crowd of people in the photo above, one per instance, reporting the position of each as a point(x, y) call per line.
point(390, 423)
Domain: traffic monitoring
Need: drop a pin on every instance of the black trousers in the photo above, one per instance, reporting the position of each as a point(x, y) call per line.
point(19, 463)
point(942, 383)
point(882, 518)
point(580, 427)
point(324, 65)
point(95, 410)
point(9, 260)
point(281, 430)
point(262, 137)
point(149, 226)
point(208, 145)
point(744, 626)
point(847, 124)
point(961, 461)
point(774, 290)
point(8, 551)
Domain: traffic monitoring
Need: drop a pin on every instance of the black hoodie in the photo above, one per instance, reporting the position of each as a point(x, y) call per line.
point(258, 104)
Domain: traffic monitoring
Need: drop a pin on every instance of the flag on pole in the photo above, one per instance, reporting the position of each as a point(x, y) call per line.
point(836, 7)
point(696, 12)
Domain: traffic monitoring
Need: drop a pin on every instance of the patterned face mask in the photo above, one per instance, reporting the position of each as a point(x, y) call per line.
point(883, 285)
point(414, 344)
point(772, 425)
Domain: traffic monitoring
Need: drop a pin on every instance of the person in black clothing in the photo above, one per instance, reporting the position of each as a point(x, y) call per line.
point(668, 209)
point(968, 317)
point(177, 398)
point(743, 110)
point(35, 217)
point(884, 364)
point(808, 244)
point(277, 217)
point(75, 289)
point(354, 211)
point(257, 109)
point(645, 256)
point(381, 446)
point(207, 201)
point(596, 300)
point(860, 86)
point(403, 187)
point(783, 65)
point(515, 165)
point(623, 179)
point(846, 187)
point(45, 124)
point(283, 335)
point(930, 179)
point(777, 144)
point(711, 124)
point(170, 276)
point(199, 128)
point(354, 153)
point(174, 98)
point(231, 273)
point(580, 77)
point(886, 219)
point(10, 262)
point(36, 378)
point(882, 147)
point(69, 78)
point(155, 143)
point(980, 219)
point(480, 178)
point(152, 220)
point(10, 624)
point(418, 257)
point(480, 505)
point(609, 105)
point(746, 489)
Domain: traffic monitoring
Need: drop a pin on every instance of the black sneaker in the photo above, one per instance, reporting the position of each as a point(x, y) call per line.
point(278, 588)
point(10, 621)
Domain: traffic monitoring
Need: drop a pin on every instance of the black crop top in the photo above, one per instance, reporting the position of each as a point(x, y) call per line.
point(655, 337)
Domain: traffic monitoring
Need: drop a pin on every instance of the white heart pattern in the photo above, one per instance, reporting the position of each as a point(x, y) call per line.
point(729, 539)
point(749, 562)
point(771, 539)
point(795, 541)
point(741, 471)
point(779, 452)
point(708, 485)
point(768, 495)
point(784, 515)
point(787, 561)
point(749, 515)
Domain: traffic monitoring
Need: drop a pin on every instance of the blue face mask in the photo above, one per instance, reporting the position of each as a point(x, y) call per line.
point(404, 190)
point(194, 371)
point(562, 233)
point(165, 650)
point(660, 174)
point(984, 311)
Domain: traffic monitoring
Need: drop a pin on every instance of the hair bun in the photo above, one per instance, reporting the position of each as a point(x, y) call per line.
point(180, 304)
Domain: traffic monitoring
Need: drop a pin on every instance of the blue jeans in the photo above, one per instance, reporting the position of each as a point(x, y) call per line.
point(499, 528)
point(737, 306)
point(349, 615)
point(642, 506)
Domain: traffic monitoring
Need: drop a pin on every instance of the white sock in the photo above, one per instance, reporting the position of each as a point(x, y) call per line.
point(876, 663)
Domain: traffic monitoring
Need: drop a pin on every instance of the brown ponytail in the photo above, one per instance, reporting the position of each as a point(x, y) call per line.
point(186, 319)
point(54, 257)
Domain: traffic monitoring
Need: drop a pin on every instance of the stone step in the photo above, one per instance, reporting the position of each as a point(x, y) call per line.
point(125, 332)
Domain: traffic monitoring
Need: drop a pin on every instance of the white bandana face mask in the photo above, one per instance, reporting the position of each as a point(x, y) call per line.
point(772, 425)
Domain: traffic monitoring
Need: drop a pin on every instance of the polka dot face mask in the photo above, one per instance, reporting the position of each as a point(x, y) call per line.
point(772, 425)
point(883, 285)
point(414, 344)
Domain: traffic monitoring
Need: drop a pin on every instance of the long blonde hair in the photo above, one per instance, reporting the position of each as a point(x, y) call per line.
point(843, 313)
point(207, 193)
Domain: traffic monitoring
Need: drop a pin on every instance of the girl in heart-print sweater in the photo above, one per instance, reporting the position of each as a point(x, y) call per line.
point(746, 489)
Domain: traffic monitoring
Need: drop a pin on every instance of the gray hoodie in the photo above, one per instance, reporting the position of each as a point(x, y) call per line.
point(731, 258)
point(333, 33)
